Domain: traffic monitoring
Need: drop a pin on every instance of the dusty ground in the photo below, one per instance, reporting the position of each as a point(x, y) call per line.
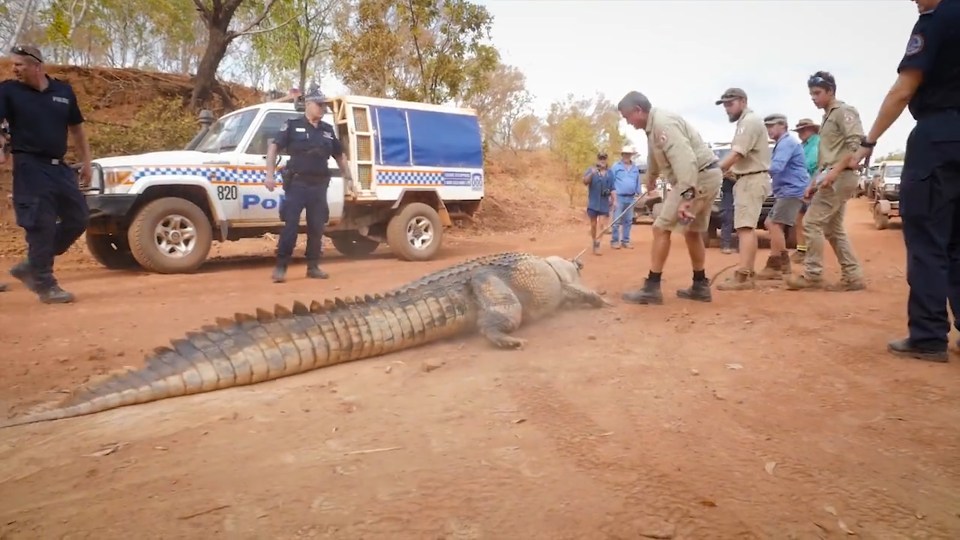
point(677, 421)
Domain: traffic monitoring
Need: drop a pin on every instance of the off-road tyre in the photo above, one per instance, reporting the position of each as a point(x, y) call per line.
point(111, 251)
point(143, 231)
point(414, 213)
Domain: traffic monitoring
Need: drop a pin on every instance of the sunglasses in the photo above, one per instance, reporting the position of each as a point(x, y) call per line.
point(817, 80)
point(22, 51)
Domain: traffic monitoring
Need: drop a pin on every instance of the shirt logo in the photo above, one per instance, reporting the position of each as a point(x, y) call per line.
point(63, 100)
point(914, 45)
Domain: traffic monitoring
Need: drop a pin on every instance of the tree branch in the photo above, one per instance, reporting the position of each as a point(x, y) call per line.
point(204, 12)
point(248, 31)
point(416, 44)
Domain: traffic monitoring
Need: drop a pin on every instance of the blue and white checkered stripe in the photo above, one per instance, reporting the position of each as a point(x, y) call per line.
point(387, 178)
point(222, 174)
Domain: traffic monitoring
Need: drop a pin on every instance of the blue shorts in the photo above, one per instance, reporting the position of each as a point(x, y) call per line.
point(591, 213)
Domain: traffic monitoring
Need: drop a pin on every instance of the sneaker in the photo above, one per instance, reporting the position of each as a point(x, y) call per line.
point(615, 245)
point(596, 248)
point(279, 274)
point(55, 295)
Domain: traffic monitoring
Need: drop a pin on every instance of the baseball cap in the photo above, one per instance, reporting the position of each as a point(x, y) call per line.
point(731, 94)
point(315, 96)
point(775, 118)
point(28, 50)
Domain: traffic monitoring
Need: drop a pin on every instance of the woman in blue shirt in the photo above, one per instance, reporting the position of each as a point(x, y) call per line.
point(599, 182)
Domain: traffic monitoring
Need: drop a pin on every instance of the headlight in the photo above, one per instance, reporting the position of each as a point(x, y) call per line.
point(116, 176)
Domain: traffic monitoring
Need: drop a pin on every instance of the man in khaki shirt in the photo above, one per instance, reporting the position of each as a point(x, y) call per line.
point(677, 153)
point(748, 165)
point(840, 135)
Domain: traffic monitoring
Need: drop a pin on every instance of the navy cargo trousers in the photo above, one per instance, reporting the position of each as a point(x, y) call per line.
point(302, 195)
point(930, 211)
point(50, 208)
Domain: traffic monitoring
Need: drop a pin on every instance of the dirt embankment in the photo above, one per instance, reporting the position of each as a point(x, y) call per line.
point(526, 190)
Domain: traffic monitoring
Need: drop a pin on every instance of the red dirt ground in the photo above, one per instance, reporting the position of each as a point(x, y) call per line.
point(725, 420)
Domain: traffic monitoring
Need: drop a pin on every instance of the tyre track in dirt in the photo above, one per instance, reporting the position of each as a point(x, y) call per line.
point(630, 472)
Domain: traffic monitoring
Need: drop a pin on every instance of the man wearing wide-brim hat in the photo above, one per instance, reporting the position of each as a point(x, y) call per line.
point(809, 133)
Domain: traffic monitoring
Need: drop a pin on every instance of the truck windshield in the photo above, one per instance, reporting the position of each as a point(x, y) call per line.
point(893, 171)
point(226, 133)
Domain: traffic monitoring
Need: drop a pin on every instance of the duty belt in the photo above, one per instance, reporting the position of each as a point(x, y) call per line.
point(44, 159)
point(739, 176)
point(711, 165)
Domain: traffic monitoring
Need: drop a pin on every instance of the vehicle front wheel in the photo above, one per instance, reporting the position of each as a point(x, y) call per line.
point(415, 232)
point(170, 236)
point(111, 251)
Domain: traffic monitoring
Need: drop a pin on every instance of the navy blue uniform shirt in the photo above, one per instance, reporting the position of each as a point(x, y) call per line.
point(934, 49)
point(309, 147)
point(38, 120)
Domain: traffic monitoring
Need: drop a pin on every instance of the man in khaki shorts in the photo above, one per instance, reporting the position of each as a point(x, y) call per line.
point(677, 153)
point(748, 165)
point(840, 134)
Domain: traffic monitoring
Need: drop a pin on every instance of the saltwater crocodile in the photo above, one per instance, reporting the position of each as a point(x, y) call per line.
point(492, 294)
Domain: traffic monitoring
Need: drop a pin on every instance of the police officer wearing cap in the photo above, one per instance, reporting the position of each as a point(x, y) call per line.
point(40, 111)
point(306, 177)
point(929, 83)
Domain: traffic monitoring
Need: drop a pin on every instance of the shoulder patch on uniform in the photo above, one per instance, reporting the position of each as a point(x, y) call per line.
point(914, 44)
point(740, 130)
point(848, 117)
point(660, 137)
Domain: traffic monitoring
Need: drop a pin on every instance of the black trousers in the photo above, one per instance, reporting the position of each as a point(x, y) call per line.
point(52, 210)
point(300, 196)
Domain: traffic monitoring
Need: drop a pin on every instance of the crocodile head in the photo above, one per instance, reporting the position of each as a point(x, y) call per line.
point(567, 269)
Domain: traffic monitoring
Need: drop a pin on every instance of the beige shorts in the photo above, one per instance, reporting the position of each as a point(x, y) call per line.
point(708, 185)
point(749, 192)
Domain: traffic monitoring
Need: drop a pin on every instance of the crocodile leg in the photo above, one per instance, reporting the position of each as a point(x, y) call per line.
point(577, 294)
point(500, 311)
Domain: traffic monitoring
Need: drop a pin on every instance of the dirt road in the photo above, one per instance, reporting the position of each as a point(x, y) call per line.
point(722, 420)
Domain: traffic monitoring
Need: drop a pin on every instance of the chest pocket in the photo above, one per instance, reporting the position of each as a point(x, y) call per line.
point(312, 144)
point(831, 131)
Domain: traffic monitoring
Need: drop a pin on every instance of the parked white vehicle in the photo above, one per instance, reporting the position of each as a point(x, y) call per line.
point(886, 193)
point(416, 168)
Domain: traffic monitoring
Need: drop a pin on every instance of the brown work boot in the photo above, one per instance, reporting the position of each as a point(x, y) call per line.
point(796, 282)
point(847, 285)
point(742, 280)
point(772, 270)
point(785, 269)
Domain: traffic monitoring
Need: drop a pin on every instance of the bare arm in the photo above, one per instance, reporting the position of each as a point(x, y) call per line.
point(82, 145)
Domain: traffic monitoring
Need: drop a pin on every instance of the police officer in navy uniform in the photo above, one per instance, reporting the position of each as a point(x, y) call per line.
point(929, 82)
point(310, 143)
point(40, 111)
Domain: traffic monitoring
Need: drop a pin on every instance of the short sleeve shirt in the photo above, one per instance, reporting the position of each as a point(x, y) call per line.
point(310, 147)
point(676, 149)
point(39, 119)
point(752, 142)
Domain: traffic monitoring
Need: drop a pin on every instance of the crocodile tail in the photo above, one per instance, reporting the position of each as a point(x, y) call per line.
point(249, 349)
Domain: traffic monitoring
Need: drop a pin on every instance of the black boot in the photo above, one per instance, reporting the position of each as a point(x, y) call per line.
point(55, 295)
point(280, 273)
point(649, 294)
point(904, 347)
point(699, 291)
point(24, 273)
point(314, 272)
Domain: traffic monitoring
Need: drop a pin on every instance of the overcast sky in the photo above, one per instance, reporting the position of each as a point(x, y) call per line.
point(683, 53)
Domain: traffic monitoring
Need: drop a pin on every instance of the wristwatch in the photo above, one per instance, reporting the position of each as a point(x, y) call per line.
point(689, 193)
point(867, 144)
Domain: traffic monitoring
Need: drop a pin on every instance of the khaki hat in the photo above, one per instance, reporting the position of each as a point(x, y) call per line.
point(775, 118)
point(628, 150)
point(806, 123)
point(731, 94)
point(28, 50)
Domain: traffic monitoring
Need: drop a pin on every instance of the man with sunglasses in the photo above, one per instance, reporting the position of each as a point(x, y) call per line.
point(41, 111)
point(835, 183)
point(928, 82)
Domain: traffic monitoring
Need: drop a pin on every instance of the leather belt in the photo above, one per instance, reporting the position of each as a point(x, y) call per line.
point(739, 176)
point(44, 159)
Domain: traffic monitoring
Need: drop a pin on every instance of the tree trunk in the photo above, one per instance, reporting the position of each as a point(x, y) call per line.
point(217, 42)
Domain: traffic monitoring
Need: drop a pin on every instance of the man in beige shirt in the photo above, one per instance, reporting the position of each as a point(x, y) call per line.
point(677, 153)
point(748, 165)
point(840, 134)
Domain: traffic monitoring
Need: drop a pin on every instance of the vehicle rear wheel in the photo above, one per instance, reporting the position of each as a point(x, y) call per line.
point(170, 236)
point(352, 244)
point(415, 232)
point(111, 251)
